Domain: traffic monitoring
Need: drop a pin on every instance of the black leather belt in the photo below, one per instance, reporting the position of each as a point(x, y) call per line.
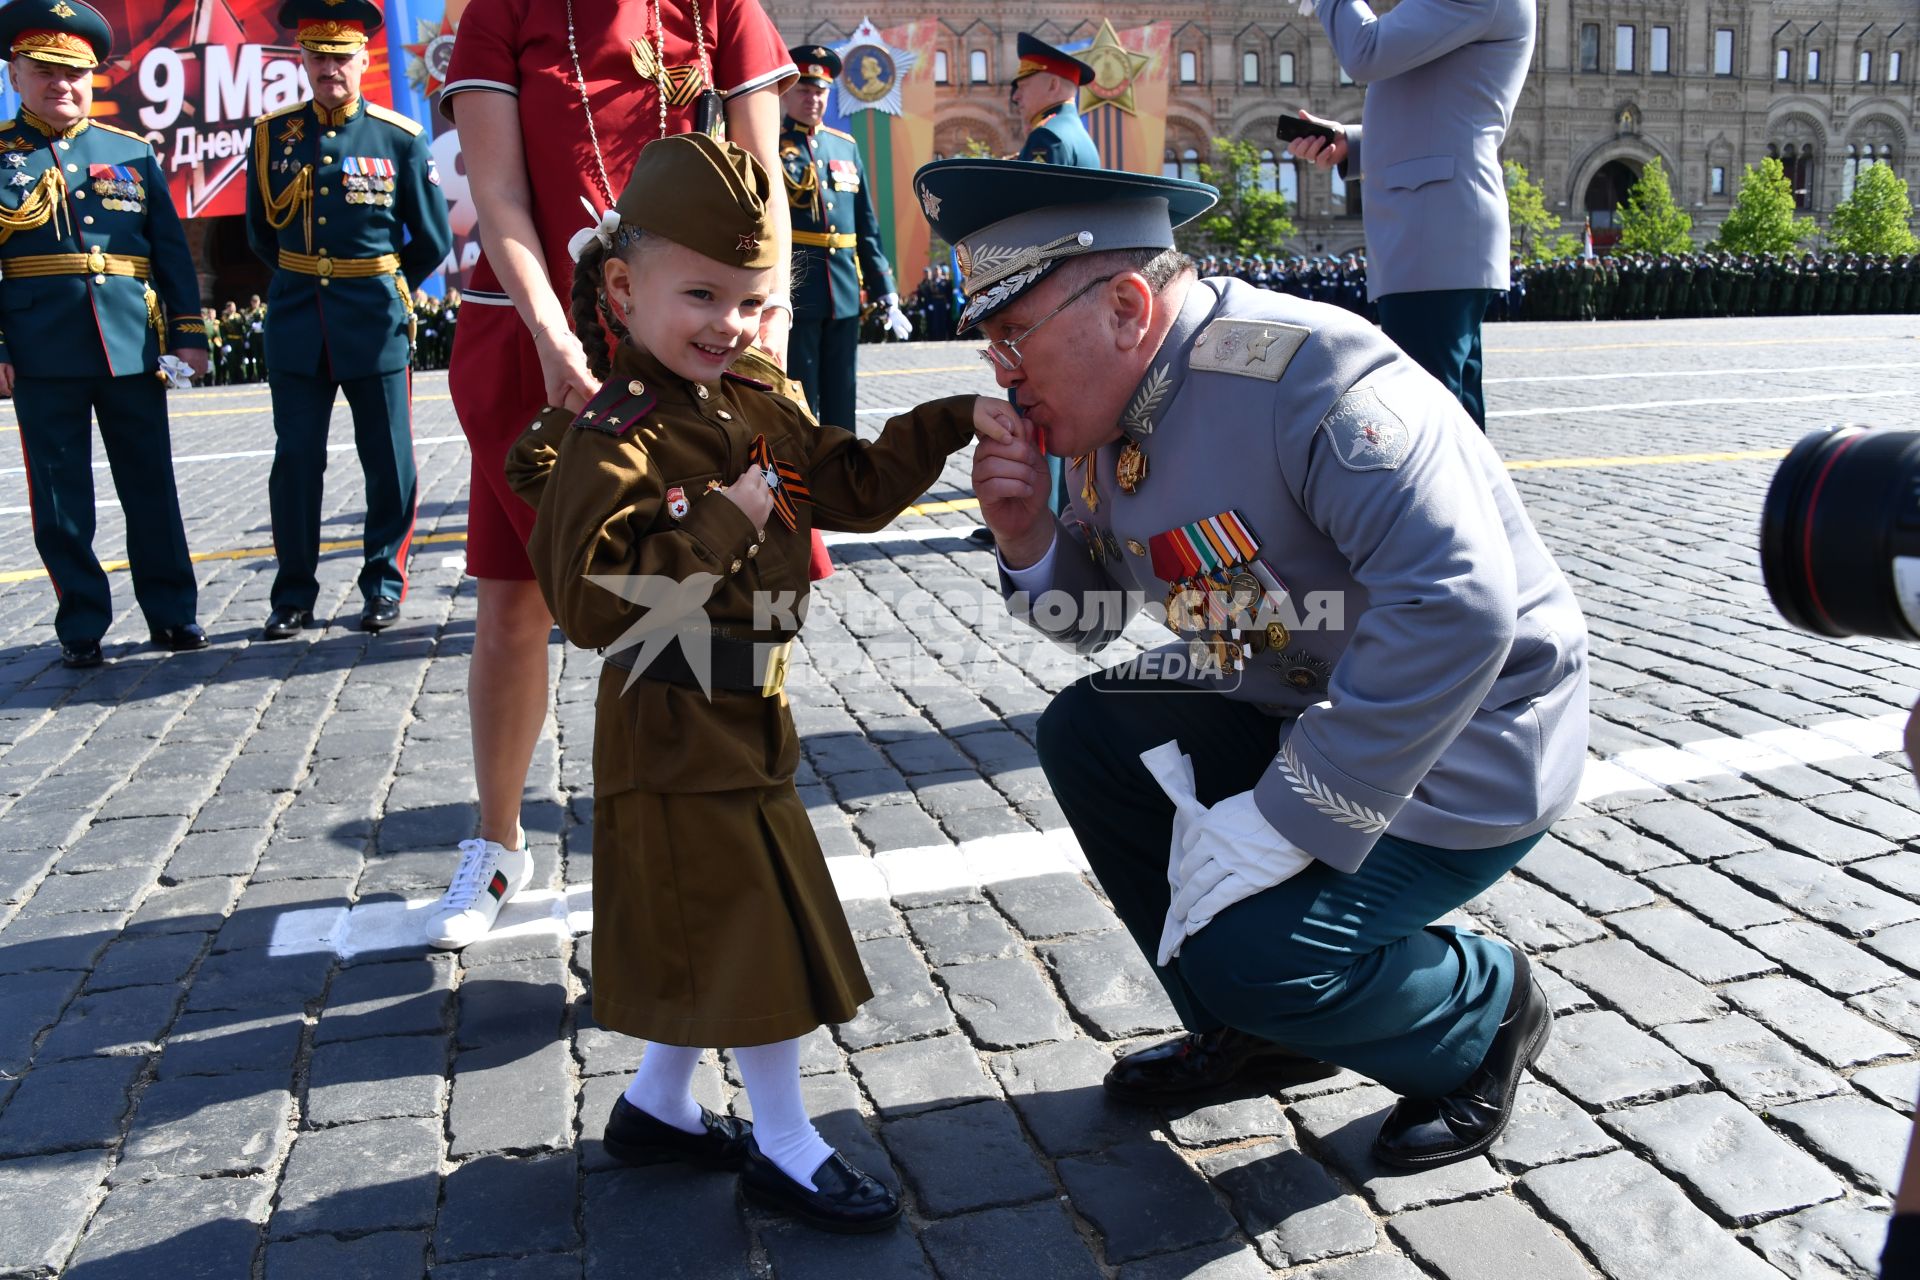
point(735, 666)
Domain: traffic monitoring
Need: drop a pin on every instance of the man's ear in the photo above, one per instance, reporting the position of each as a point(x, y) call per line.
point(1132, 302)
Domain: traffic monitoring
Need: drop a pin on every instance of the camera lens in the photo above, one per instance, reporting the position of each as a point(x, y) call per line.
point(1840, 533)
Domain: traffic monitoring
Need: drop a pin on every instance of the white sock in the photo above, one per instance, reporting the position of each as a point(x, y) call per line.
point(781, 1129)
point(663, 1086)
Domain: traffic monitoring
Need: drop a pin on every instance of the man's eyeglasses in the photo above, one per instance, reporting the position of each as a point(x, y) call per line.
point(1004, 353)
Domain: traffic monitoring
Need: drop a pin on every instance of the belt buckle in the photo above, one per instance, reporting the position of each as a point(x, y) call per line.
point(779, 658)
point(323, 268)
point(96, 261)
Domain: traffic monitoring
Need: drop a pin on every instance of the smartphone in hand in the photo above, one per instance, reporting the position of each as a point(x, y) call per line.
point(1293, 127)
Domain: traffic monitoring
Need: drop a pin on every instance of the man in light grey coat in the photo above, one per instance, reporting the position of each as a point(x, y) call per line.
point(1442, 79)
point(1378, 701)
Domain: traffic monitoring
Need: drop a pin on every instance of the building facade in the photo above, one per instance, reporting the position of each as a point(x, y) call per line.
point(1709, 86)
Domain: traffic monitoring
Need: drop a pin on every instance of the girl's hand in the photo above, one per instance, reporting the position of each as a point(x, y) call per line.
point(751, 495)
point(995, 420)
point(563, 367)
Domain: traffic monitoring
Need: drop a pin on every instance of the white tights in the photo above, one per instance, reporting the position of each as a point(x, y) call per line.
point(663, 1088)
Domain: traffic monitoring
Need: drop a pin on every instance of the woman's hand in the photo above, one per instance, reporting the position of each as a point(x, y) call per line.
point(563, 368)
point(775, 324)
point(751, 495)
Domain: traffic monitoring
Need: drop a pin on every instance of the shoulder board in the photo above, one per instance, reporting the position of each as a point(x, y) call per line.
point(1247, 348)
point(744, 380)
point(394, 118)
point(616, 408)
point(838, 133)
point(8, 125)
point(125, 133)
point(284, 111)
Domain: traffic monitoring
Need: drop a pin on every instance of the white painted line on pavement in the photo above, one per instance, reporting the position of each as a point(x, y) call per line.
point(1566, 410)
point(972, 864)
point(1702, 373)
point(100, 464)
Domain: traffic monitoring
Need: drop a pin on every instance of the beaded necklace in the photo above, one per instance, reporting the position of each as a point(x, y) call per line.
point(660, 82)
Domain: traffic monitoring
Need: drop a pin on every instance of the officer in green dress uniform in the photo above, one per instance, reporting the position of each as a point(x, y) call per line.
point(1046, 86)
point(98, 282)
point(836, 239)
point(344, 202)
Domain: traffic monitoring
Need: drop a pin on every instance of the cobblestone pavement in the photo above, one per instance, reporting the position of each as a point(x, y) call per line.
point(223, 1053)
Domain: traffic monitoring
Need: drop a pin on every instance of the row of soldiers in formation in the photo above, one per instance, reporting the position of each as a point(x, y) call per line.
point(1629, 286)
point(237, 337)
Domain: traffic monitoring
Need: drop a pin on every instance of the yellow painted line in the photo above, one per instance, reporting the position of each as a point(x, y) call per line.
point(949, 505)
point(238, 553)
point(943, 368)
point(1731, 342)
point(1646, 460)
point(248, 408)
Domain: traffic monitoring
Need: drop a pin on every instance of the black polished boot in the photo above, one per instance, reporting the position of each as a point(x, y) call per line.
point(1422, 1132)
point(634, 1137)
point(1201, 1061)
point(181, 639)
point(845, 1200)
point(286, 622)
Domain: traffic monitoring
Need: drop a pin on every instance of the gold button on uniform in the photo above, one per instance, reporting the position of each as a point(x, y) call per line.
point(700, 390)
point(65, 145)
point(724, 415)
point(636, 388)
point(330, 133)
point(325, 190)
point(1133, 545)
point(326, 159)
point(88, 219)
point(79, 195)
point(322, 219)
point(735, 568)
point(753, 550)
point(73, 168)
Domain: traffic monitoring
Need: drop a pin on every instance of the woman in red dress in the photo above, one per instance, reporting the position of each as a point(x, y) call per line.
point(554, 100)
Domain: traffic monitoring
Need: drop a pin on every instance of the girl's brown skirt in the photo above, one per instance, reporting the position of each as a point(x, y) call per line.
point(715, 921)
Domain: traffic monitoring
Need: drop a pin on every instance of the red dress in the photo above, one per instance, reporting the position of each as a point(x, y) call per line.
point(519, 47)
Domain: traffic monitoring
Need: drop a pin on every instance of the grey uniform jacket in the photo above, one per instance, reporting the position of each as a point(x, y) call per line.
point(1442, 79)
point(1435, 670)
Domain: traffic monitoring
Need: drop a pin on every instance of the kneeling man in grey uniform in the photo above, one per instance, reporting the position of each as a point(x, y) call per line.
point(1378, 700)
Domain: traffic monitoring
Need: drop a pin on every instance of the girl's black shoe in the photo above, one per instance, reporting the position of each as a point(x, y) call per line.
point(847, 1200)
point(634, 1137)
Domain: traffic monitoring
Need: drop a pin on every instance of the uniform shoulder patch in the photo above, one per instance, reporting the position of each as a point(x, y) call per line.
point(618, 407)
point(394, 118)
point(125, 133)
point(1365, 434)
point(1248, 348)
point(284, 111)
point(838, 133)
point(744, 380)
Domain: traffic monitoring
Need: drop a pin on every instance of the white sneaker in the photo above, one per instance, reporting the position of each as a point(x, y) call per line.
point(488, 876)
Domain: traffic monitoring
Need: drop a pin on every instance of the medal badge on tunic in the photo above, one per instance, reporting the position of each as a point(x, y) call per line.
point(118, 187)
point(788, 485)
point(1220, 594)
point(369, 180)
point(677, 503)
point(1130, 470)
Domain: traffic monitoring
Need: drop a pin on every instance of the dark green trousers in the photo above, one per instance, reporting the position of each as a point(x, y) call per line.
point(56, 437)
point(383, 434)
point(822, 356)
point(1440, 329)
point(1346, 967)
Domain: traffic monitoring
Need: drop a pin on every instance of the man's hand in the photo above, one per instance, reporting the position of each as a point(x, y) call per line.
point(1010, 479)
point(775, 324)
point(195, 358)
point(6, 379)
point(1323, 153)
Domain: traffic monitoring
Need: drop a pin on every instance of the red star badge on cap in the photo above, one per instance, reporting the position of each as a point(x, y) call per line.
point(747, 244)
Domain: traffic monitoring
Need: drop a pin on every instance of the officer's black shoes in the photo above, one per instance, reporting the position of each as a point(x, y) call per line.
point(182, 639)
point(286, 622)
point(81, 655)
point(1201, 1061)
point(381, 612)
point(634, 1137)
point(1422, 1132)
point(845, 1200)
point(981, 536)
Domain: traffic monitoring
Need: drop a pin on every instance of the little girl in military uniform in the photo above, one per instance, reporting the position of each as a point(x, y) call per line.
point(681, 500)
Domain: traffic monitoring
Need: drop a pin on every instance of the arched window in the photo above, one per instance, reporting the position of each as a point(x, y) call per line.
point(1346, 195)
point(977, 66)
point(1290, 180)
point(1269, 173)
point(1865, 75)
point(1249, 67)
point(1893, 66)
point(1169, 165)
point(940, 66)
point(1286, 68)
point(1813, 66)
point(1850, 171)
point(1783, 64)
point(1798, 164)
point(1181, 164)
point(1189, 67)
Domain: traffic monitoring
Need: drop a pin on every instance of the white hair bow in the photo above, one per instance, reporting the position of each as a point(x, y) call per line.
point(605, 223)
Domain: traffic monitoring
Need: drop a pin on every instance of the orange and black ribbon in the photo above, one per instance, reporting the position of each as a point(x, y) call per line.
point(788, 485)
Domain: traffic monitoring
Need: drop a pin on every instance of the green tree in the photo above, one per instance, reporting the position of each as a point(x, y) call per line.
point(1535, 231)
point(975, 149)
point(1650, 222)
point(1874, 217)
point(1762, 218)
point(1249, 218)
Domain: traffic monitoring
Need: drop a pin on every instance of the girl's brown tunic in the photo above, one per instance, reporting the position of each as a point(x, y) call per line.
point(715, 921)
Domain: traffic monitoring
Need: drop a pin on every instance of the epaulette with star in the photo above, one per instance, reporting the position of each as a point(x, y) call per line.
point(838, 133)
point(617, 407)
point(394, 118)
point(125, 133)
point(284, 111)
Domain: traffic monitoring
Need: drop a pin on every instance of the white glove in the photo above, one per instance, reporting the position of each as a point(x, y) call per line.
point(897, 322)
point(177, 372)
point(1218, 856)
